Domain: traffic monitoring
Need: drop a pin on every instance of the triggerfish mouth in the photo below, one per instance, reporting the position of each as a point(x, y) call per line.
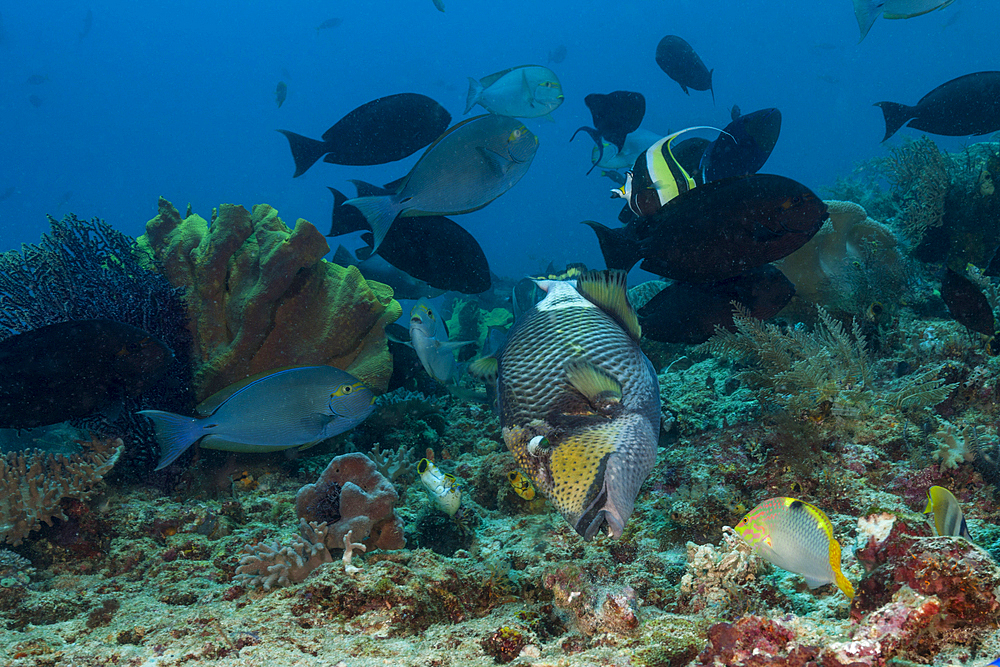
point(579, 401)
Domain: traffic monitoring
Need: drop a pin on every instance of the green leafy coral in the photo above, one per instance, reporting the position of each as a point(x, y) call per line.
point(829, 368)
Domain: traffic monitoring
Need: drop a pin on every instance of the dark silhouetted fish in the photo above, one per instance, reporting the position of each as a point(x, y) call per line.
point(8, 193)
point(967, 303)
point(88, 23)
point(676, 57)
point(35, 101)
point(469, 166)
point(383, 130)
point(967, 105)
point(717, 230)
point(280, 93)
point(431, 249)
point(36, 79)
point(615, 115)
point(69, 370)
point(558, 54)
point(992, 269)
point(329, 24)
point(688, 312)
point(744, 146)
point(403, 286)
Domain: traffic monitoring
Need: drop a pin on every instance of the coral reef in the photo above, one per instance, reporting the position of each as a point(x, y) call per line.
point(270, 564)
point(33, 482)
point(261, 297)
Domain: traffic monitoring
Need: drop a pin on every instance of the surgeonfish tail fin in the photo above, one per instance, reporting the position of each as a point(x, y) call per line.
point(608, 291)
point(711, 85)
point(866, 11)
point(174, 434)
point(896, 115)
point(379, 212)
point(472, 98)
point(305, 151)
point(620, 249)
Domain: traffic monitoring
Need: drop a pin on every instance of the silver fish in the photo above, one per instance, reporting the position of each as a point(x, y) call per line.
point(429, 339)
point(579, 401)
point(469, 166)
point(293, 407)
point(528, 91)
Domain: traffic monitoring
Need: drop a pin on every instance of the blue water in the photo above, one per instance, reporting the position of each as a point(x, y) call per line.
point(178, 100)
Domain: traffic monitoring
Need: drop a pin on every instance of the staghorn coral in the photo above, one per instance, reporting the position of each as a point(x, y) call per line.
point(33, 482)
point(261, 297)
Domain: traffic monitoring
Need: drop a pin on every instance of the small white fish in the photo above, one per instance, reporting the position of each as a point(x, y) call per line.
point(429, 338)
point(528, 91)
point(866, 11)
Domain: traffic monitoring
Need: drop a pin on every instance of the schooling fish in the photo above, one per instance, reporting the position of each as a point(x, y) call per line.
point(528, 91)
point(469, 166)
point(689, 313)
point(967, 105)
point(579, 401)
point(967, 303)
point(676, 57)
point(866, 11)
point(429, 338)
point(717, 230)
point(615, 115)
point(383, 130)
point(432, 249)
point(71, 369)
point(743, 147)
point(293, 407)
point(797, 537)
point(948, 516)
point(280, 93)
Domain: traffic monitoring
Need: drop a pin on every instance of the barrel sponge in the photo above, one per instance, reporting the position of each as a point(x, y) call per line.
point(261, 297)
point(352, 495)
point(815, 267)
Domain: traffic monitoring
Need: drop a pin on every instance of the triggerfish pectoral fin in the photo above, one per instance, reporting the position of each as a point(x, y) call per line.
point(174, 433)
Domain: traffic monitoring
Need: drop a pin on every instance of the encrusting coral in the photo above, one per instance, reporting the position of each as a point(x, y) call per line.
point(33, 482)
point(261, 297)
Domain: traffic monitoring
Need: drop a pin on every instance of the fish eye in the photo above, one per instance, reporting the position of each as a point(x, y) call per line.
point(348, 389)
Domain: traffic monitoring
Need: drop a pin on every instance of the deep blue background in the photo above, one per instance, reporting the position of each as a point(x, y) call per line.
point(178, 101)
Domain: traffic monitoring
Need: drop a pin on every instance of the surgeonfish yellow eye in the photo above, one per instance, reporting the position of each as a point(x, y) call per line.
point(345, 389)
point(517, 134)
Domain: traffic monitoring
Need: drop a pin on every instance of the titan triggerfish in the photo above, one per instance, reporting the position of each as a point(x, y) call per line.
point(579, 401)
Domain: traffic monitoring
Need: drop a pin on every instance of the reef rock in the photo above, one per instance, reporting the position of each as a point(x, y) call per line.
point(261, 297)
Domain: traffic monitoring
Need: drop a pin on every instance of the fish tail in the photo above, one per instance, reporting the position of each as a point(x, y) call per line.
point(866, 11)
point(379, 212)
point(475, 90)
point(305, 151)
point(174, 433)
point(620, 250)
point(896, 115)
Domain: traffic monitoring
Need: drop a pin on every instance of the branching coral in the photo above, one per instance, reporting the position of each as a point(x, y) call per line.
point(260, 297)
point(829, 366)
point(32, 483)
point(271, 564)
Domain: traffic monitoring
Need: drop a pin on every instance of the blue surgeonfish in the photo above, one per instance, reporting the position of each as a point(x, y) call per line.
point(292, 407)
point(866, 11)
point(948, 517)
point(579, 401)
point(469, 166)
point(528, 91)
point(429, 338)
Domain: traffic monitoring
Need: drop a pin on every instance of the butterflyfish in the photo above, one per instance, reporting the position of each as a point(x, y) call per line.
point(947, 513)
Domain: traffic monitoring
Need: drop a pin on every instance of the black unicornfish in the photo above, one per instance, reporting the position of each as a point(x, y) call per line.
point(615, 115)
point(676, 57)
point(383, 130)
point(964, 106)
point(967, 303)
point(579, 401)
point(72, 369)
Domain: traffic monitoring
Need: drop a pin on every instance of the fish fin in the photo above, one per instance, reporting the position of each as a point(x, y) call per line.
point(305, 151)
point(365, 189)
point(608, 291)
point(497, 163)
point(453, 344)
point(174, 434)
point(866, 11)
point(526, 90)
point(485, 368)
point(475, 91)
point(380, 212)
point(896, 115)
point(685, 89)
point(814, 582)
point(547, 118)
point(621, 249)
point(711, 85)
point(596, 384)
point(343, 256)
point(596, 136)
